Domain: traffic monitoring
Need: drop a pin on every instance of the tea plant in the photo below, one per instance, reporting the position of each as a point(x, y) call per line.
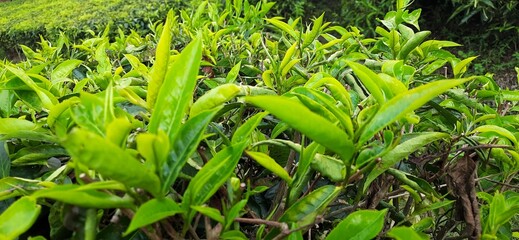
point(227, 124)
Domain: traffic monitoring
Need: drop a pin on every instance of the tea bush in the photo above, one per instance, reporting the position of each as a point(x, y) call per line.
point(225, 123)
point(22, 22)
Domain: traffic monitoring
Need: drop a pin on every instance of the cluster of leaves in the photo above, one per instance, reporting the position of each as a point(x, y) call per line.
point(362, 14)
point(487, 27)
point(259, 128)
point(502, 12)
point(25, 21)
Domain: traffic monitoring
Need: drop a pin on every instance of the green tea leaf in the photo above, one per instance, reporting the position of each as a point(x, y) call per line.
point(176, 92)
point(109, 160)
point(132, 97)
point(303, 171)
point(103, 61)
point(412, 44)
point(270, 164)
point(47, 99)
point(18, 218)
point(160, 67)
point(245, 130)
point(503, 132)
point(183, 146)
point(214, 97)
point(336, 88)
point(13, 186)
point(283, 26)
point(37, 154)
point(233, 73)
point(212, 213)
point(329, 167)
point(7, 100)
point(118, 130)
point(313, 34)
point(75, 195)
point(5, 161)
point(233, 235)
point(359, 225)
point(90, 113)
point(330, 104)
point(404, 103)
point(461, 67)
point(288, 58)
point(211, 177)
point(404, 233)
point(153, 211)
point(19, 128)
point(412, 143)
point(154, 148)
point(312, 125)
point(305, 210)
point(12, 125)
point(267, 78)
point(234, 212)
point(375, 85)
point(60, 108)
point(64, 69)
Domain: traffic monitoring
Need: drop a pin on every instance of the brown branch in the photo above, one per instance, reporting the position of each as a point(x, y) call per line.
point(256, 221)
point(193, 233)
point(170, 230)
point(468, 148)
point(500, 183)
point(284, 234)
point(151, 235)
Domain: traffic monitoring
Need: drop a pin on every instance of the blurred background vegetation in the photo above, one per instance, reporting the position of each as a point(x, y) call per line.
point(488, 28)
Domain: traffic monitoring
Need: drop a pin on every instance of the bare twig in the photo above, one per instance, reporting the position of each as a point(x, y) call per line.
point(193, 233)
point(284, 234)
point(497, 182)
point(283, 226)
point(170, 230)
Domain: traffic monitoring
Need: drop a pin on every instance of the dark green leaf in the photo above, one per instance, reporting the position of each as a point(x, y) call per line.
point(360, 225)
point(400, 152)
point(403, 104)
point(5, 161)
point(213, 175)
point(184, 145)
point(37, 154)
point(304, 211)
point(153, 211)
point(245, 130)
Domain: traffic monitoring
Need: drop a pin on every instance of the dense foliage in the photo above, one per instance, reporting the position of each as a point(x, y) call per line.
point(22, 22)
point(487, 28)
point(224, 123)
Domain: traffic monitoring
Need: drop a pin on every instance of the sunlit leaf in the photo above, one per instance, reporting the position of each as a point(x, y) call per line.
point(110, 160)
point(176, 91)
point(270, 164)
point(314, 126)
point(404, 103)
point(18, 218)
